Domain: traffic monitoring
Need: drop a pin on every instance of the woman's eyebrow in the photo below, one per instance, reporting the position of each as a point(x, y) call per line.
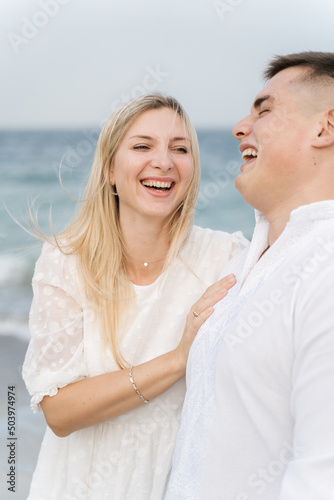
point(172, 139)
point(141, 137)
point(180, 139)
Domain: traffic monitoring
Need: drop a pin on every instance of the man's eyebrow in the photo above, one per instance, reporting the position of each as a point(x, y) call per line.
point(260, 100)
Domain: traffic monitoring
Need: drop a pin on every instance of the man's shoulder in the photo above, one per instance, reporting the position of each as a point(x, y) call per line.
point(313, 253)
point(306, 275)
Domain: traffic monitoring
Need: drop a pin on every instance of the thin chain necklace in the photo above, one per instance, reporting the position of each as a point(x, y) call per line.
point(146, 264)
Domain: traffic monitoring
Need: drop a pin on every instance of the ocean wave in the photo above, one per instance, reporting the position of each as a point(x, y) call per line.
point(15, 327)
point(16, 269)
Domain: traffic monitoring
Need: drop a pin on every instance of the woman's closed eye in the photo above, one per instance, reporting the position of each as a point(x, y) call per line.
point(141, 146)
point(180, 149)
point(145, 147)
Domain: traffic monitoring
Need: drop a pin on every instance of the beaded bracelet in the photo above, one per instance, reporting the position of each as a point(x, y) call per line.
point(135, 388)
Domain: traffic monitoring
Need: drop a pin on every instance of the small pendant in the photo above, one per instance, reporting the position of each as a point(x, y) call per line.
point(145, 264)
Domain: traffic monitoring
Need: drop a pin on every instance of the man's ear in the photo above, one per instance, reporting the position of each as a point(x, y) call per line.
point(324, 133)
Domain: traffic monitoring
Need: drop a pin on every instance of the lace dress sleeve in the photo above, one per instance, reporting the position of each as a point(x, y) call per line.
point(55, 356)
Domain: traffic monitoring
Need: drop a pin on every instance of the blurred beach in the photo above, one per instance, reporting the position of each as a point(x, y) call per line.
point(29, 166)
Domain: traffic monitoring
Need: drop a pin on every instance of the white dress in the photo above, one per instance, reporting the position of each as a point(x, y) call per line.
point(129, 456)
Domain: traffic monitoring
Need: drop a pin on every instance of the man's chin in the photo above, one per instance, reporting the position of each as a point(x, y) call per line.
point(243, 186)
point(238, 183)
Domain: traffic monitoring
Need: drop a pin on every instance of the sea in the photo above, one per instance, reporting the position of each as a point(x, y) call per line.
point(30, 164)
point(45, 172)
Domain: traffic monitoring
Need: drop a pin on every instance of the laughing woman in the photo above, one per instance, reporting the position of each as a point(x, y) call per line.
point(109, 323)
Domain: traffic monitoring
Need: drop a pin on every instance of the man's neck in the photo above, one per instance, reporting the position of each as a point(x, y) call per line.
point(276, 228)
point(279, 219)
point(278, 216)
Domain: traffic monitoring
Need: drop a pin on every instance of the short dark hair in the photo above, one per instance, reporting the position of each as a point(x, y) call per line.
point(320, 64)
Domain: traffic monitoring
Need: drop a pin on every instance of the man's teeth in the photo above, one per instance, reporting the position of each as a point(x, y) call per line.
point(249, 153)
point(157, 184)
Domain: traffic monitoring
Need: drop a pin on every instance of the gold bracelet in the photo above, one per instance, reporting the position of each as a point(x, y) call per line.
point(135, 388)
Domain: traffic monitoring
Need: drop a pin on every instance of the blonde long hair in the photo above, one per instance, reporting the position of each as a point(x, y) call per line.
point(95, 235)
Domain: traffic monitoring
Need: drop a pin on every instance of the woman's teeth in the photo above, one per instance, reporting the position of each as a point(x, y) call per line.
point(157, 184)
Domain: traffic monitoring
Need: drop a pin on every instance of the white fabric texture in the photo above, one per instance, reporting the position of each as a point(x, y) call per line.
point(257, 421)
point(129, 456)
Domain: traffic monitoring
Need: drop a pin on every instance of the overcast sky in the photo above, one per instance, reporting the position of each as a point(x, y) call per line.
point(69, 63)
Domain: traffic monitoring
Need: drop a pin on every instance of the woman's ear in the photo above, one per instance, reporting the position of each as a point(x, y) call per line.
point(324, 135)
point(109, 175)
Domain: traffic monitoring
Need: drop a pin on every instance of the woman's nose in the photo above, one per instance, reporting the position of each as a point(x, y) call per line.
point(163, 160)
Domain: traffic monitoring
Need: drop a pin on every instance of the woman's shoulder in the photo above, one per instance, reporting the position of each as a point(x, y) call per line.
point(203, 237)
point(208, 251)
point(56, 254)
point(56, 265)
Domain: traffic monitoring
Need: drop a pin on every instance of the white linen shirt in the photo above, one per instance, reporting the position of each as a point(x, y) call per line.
point(258, 419)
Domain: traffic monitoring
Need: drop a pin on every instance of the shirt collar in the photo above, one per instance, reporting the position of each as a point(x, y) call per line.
point(319, 210)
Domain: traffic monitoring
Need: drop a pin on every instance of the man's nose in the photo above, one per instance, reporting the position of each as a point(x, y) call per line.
point(242, 128)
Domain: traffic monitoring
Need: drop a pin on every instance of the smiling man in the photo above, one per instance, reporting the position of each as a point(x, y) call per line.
point(258, 419)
